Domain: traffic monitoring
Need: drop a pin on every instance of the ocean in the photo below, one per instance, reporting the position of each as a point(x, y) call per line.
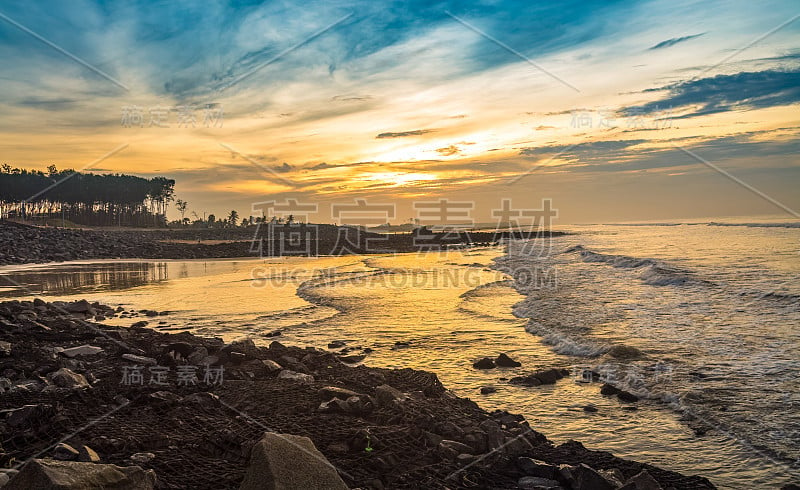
point(700, 320)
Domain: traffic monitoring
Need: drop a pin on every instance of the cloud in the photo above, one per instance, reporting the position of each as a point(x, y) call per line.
point(403, 134)
point(674, 41)
point(723, 93)
point(448, 150)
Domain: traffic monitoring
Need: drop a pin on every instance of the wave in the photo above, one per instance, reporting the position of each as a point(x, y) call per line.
point(793, 224)
point(653, 272)
point(564, 344)
point(763, 224)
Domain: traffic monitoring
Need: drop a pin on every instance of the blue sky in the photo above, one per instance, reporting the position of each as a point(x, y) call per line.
point(418, 100)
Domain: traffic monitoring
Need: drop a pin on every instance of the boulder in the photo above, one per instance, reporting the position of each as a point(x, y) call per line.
point(5, 348)
point(271, 366)
point(81, 306)
point(486, 390)
point(608, 389)
point(537, 483)
point(584, 477)
point(485, 363)
point(504, 361)
point(337, 344)
point(48, 474)
point(303, 378)
point(285, 461)
point(329, 392)
point(147, 361)
point(641, 481)
point(532, 467)
point(65, 452)
point(386, 395)
point(88, 455)
point(65, 378)
point(81, 350)
point(627, 397)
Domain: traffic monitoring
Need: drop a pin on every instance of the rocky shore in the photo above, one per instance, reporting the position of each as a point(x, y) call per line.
point(20, 244)
point(85, 402)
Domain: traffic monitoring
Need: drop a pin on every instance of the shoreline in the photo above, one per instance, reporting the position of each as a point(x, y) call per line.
point(25, 244)
point(420, 436)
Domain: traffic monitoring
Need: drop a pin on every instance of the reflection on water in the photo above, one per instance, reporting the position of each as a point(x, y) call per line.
point(82, 278)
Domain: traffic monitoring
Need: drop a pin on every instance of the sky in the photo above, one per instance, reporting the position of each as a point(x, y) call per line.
point(615, 111)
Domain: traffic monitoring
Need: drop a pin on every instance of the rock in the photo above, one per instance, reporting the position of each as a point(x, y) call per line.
point(274, 333)
point(204, 399)
point(529, 380)
point(485, 363)
point(4, 478)
point(245, 346)
point(486, 390)
point(197, 356)
point(28, 415)
point(329, 392)
point(303, 378)
point(532, 467)
point(625, 352)
point(142, 458)
point(400, 344)
point(81, 350)
point(65, 378)
point(337, 344)
point(88, 455)
point(545, 377)
point(48, 474)
point(504, 361)
point(642, 481)
point(140, 324)
point(271, 366)
point(353, 359)
point(584, 477)
point(164, 398)
point(537, 483)
point(627, 397)
point(65, 452)
point(335, 405)
point(608, 389)
point(590, 408)
point(285, 461)
point(5, 348)
point(458, 447)
point(147, 361)
point(386, 395)
point(81, 306)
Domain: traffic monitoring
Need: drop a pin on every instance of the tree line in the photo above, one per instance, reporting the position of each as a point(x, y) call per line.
point(84, 198)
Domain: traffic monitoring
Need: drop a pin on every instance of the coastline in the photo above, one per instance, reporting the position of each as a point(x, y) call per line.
point(172, 422)
point(23, 244)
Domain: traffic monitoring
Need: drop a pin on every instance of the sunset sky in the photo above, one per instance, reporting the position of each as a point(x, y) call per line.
point(605, 107)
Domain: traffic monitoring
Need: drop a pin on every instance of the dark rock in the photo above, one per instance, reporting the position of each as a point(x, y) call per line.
point(486, 390)
point(590, 408)
point(81, 306)
point(530, 380)
point(537, 483)
point(504, 361)
point(274, 333)
point(65, 378)
point(29, 415)
point(627, 397)
point(387, 395)
point(48, 474)
point(275, 461)
point(329, 392)
point(643, 481)
point(584, 477)
point(608, 389)
point(485, 363)
point(88, 455)
point(533, 467)
point(356, 358)
point(400, 344)
point(65, 452)
point(336, 344)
